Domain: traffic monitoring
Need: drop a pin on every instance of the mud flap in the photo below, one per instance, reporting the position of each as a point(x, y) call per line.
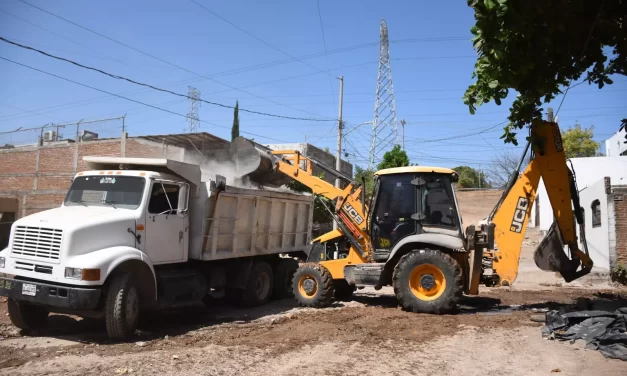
point(550, 256)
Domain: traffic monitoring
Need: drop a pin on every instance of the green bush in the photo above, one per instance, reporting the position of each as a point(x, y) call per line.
point(619, 274)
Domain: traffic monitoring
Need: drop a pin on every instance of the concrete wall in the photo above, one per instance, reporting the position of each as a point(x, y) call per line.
point(39, 176)
point(615, 145)
point(588, 171)
point(598, 237)
point(320, 155)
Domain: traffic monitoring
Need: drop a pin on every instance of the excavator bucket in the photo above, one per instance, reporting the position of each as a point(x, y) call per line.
point(256, 163)
point(550, 256)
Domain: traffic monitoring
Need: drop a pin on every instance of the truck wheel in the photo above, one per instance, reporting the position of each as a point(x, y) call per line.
point(283, 275)
point(27, 317)
point(427, 281)
point(122, 307)
point(259, 288)
point(313, 286)
point(343, 290)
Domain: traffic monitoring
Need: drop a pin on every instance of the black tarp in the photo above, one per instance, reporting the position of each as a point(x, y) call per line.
point(603, 331)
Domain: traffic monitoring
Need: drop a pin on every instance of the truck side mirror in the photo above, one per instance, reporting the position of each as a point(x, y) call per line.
point(183, 199)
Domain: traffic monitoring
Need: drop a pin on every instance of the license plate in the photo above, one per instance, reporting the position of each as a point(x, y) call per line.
point(29, 289)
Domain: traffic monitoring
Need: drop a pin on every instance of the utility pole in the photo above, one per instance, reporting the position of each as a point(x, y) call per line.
point(403, 122)
point(549, 114)
point(338, 157)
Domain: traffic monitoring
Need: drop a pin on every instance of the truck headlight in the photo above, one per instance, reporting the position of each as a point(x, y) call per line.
point(2, 262)
point(82, 274)
point(73, 273)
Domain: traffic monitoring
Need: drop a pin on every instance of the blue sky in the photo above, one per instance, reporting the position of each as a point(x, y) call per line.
point(431, 52)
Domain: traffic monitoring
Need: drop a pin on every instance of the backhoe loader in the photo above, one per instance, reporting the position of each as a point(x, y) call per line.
point(410, 234)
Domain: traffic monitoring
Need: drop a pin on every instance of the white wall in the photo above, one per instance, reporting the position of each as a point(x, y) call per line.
point(596, 237)
point(588, 171)
point(615, 145)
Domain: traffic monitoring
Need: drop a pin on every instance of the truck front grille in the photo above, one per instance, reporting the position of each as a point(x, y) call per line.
point(38, 242)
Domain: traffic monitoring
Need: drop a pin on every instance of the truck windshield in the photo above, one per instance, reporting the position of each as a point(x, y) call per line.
point(116, 191)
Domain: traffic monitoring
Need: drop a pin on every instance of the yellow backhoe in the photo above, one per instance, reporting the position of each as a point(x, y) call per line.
point(410, 234)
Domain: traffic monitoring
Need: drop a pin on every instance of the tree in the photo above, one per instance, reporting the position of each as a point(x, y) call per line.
point(578, 142)
point(471, 178)
point(320, 213)
point(235, 128)
point(502, 167)
point(362, 174)
point(394, 158)
point(538, 47)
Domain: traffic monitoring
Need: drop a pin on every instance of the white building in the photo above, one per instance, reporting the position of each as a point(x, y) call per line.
point(615, 146)
point(597, 178)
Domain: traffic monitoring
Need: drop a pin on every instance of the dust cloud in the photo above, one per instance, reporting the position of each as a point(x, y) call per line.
point(211, 167)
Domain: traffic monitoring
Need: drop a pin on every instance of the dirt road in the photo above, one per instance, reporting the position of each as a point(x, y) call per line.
point(492, 334)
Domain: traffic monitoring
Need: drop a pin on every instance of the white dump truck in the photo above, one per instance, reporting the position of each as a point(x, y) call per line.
point(135, 235)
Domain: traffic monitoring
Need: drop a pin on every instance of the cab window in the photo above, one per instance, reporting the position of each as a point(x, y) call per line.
point(164, 198)
point(438, 204)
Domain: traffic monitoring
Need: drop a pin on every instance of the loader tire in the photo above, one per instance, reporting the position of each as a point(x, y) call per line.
point(313, 286)
point(122, 307)
point(27, 317)
point(283, 274)
point(258, 291)
point(428, 281)
point(343, 290)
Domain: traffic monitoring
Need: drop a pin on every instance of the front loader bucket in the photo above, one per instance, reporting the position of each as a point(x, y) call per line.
point(550, 256)
point(255, 163)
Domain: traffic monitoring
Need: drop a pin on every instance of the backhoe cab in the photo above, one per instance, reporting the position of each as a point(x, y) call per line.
point(410, 234)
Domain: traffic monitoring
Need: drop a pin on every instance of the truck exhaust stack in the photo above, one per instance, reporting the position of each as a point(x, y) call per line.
point(256, 163)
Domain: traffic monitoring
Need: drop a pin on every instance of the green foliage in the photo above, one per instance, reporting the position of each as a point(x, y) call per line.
point(320, 214)
point(394, 158)
point(471, 178)
point(235, 128)
point(578, 142)
point(368, 175)
point(619, 274)
point(536, 47)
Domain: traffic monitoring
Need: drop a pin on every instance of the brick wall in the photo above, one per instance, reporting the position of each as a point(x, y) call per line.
point(620, 213)
point(39, 177)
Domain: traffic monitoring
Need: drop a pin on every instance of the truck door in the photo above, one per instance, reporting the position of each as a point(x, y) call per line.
point(166, 234)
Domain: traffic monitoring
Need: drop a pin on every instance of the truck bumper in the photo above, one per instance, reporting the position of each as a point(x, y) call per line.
point(47, 294)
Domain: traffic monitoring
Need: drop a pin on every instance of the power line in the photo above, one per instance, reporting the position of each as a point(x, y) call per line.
point(154, 87)
point(129, 99)
point(259, 39)
point(158, 58)
point(583, 51)
point(324, 45)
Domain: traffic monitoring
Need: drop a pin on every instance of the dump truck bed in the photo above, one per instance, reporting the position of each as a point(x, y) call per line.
point(241, 222)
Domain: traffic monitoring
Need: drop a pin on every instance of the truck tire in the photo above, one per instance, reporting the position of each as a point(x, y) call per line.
point(283, 275)
point(27, 317)
point(122, 307)
point(428, 281)
point(343, 290)
point(313, 286)
point(258, 291)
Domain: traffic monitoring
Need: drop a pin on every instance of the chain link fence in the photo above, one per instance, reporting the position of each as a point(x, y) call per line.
point(83, 130)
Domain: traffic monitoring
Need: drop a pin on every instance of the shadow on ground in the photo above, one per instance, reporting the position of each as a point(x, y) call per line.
point(183, 320)
point(160, 324)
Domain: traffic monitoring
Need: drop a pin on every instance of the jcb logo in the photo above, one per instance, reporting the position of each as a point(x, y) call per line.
point(353, 213)
point(519, 215)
